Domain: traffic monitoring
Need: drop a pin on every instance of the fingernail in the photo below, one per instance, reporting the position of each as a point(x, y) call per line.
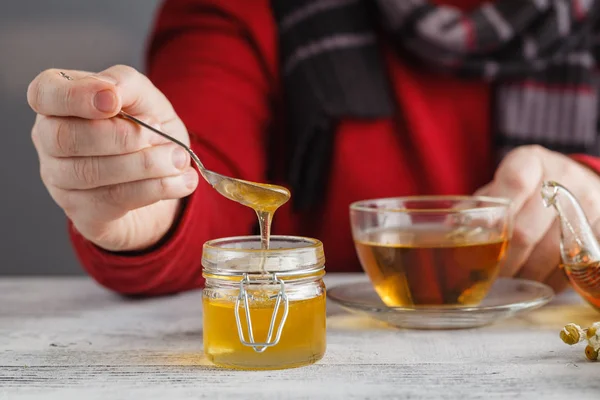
point(105, 101)
point(190, 179)
point(179, 158)
point(106, 79)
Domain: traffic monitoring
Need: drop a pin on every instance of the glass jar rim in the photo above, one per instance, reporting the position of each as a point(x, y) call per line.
point(287, 256)
point(493, 203)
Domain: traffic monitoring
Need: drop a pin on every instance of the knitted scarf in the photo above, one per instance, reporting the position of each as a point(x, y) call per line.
point(538, 54)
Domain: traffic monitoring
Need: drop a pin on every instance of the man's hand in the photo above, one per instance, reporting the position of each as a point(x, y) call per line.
point(118, 183)
point(535, 247)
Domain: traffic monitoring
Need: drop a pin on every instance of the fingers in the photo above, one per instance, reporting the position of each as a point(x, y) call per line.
point(74, 137)
point(99, 168)
point(543, 263)
point(483, 191)
point(139, 95)
point(112, 202)
point(77, 173)
point(534, 248)
point(85, 96)
point(531, 226)
point(517, 178)
point(96, 96)
point(545, 259)
point(557, 280)
point(535, 244)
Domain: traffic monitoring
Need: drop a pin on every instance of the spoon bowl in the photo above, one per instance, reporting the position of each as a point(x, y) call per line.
point(258, 196)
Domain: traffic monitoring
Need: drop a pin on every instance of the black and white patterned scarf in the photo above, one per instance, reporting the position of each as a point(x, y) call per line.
point(539, 54)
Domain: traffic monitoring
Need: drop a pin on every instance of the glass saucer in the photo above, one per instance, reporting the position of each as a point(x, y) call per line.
point(506, 298)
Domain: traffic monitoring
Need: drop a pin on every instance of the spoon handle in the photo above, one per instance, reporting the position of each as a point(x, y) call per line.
point(168, 137)
point(203, 171)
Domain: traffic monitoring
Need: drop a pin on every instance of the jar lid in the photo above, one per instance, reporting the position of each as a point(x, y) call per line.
point(287, 255)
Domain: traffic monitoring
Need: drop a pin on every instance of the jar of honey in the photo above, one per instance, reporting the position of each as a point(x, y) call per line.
point(264, 308)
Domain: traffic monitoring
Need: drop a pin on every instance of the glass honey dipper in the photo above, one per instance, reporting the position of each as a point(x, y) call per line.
point(579, 248)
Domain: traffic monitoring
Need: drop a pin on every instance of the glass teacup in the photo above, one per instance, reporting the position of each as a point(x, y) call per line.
point(431, 250)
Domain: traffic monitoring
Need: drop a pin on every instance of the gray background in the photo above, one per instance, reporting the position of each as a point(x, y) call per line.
point(35, 35)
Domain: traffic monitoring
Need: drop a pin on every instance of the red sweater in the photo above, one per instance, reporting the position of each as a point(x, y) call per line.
point(217, 63)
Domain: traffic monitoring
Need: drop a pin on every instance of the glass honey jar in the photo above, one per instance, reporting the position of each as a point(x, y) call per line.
point(264, 309)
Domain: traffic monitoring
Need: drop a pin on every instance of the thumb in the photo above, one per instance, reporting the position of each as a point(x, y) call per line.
point(137, 93)
point(518, 177)
point(483, 191)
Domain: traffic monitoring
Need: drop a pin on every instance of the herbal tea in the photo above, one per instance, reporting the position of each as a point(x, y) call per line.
point(431, 266)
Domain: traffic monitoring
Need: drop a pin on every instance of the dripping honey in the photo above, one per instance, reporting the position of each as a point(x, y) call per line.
point(302, 341)
point(263, 198)
point(431, 267)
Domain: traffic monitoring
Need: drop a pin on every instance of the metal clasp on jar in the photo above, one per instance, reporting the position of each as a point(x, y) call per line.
point(281, 297)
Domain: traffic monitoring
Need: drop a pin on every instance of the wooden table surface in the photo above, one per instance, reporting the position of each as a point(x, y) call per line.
point(67, 338)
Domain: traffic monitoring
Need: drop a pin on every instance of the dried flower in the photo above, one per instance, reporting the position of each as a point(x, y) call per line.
point(591, 353)
point(572, 334)
point(593, 330)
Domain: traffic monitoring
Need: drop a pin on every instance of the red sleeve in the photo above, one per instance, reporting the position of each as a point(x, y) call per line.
point(589, 161)
point(215, 61)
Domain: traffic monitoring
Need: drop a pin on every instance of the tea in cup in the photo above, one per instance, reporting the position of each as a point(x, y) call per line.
point(435, 250)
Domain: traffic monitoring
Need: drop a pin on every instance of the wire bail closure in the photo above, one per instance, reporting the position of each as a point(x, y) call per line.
point(281, 297)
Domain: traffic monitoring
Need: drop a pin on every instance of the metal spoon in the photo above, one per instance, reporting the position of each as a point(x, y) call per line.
point(261, 197)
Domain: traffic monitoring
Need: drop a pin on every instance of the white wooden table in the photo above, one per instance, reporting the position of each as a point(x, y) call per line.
point(67, 338)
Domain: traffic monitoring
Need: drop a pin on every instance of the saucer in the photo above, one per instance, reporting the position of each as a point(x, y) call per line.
point(507, 297)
